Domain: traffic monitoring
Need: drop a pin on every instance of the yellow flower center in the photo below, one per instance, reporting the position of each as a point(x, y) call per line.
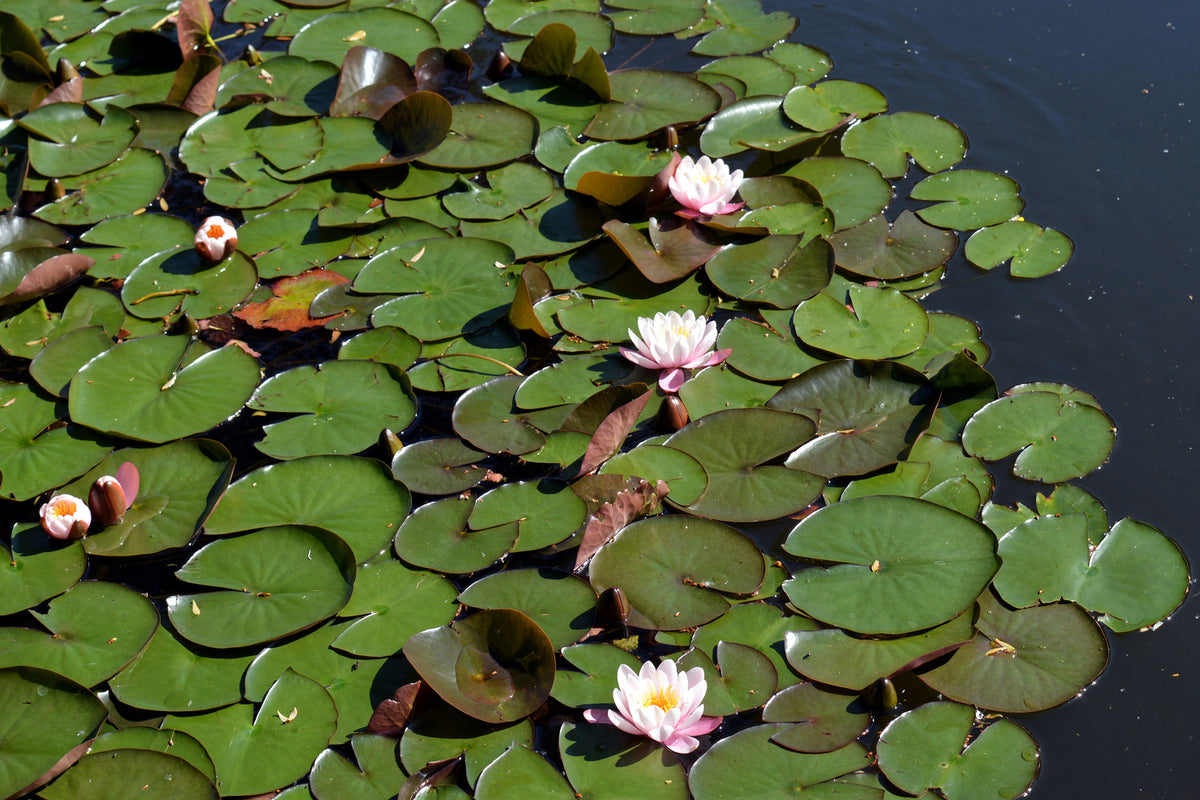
point(682, 330)
point(215, 231)
point(63, 508)
point(665, 698)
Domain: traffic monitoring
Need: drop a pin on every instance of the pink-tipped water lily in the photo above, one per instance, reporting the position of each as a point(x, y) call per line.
point(672, 343)
point(705, 187)
point(111, 497)
point(216, 238)
point(661, 703)
point(65, 517)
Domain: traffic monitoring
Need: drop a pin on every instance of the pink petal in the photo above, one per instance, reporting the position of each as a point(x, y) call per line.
point(717, 357)
point(639, 359)
point(681, 743)
point(702, 726)
point(127, 476)
point(669, 380)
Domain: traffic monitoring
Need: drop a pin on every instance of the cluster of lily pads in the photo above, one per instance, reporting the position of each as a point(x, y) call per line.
point(410, 523)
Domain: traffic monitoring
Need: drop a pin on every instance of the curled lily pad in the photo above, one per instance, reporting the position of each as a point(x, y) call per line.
point(900, 564)
point(495, 665)
point(675, 571)
point(278, 581)
point(156, 388)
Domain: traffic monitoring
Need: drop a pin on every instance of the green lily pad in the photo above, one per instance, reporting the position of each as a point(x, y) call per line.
point(387, 345)
point(36, 568)
point(573, 380)
point(1035, 251)
point(450, 286)
point(651, 18)
point(260, 752)
point(143, 389)
point(443, 733)
point(852, 190)
point(561, 604)
point(392, 603)
point(26, 334)
point(437, 536)
point(509, 189)
point(220, 140)
point(880, 323)
point(903, 249)
point(834, 657)
point(677, 571)
point(901, 564)
point(1136, 576)
point(742, 28)
point(869, 414)
point(31, 747)
point(557, 104)
point(556, 225)
point(321, 491)
point(756, 122)
point(484, 135)
point(282, 580)
point(286, 243)
point(888, 140)
point(121, 243)
point(720, 388)
point(348, 403)
point(1025, 660)
point(495, 665)
point(765, 352)
point(828, 104)
point(56, 365)
point(760, 76)
point(970, 198)
point(545, 512)
point(487, 417)
point(501, 14)
point(601, 762)
point(825, 720)
point(923, 748)
point(180, 483)
point(780, 271)
point(388, 29)
point(35, 455)
point(520, 770)
point(646, 100)
point(750, 764)
point(128, 774)
point(120, 187)
point(171, 674)
point(740, 678)
point(682, 473)
point(615, 172)
point(453, 365)
point(292, 86)
point(181, 281)
point(438, 466)
point(734, 447)
point(1059, 438)
point(374, 776)
point(593, 685)
point(95, 627)
point(591, 30)
point(762, 627)
point(79, 139)
point(169, 742)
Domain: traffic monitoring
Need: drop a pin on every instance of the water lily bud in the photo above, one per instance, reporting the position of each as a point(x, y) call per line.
point(65, 517)
point(672, 414)
point(216, 238)
point(107, 500)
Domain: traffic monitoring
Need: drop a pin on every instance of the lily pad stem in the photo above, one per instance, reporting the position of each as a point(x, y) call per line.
point(497, 362)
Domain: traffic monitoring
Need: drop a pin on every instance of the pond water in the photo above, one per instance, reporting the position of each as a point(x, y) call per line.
point(1092, 108)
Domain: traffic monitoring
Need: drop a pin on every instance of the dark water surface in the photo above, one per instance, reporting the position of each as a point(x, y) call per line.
point(1090, 106)
point(1094, 108)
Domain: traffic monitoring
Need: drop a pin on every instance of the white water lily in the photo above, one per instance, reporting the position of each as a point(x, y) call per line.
point(661, 703)
point(215, 238)
point(705, 187)
point(672, 343)
point(65, 517)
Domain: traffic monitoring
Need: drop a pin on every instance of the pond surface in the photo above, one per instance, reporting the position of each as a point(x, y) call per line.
point(1092, 107)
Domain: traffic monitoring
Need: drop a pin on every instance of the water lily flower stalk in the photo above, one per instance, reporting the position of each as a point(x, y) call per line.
point(110, 497)
point(661, 703)
point(65, 517)
point(672, 343)
point(705, 187)
point(216, 238)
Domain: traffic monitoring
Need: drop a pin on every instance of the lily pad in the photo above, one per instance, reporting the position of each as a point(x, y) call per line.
point(1035, 251)
point(880, 322)
point(156, 388)
point(130, 773)
point(120, 187)
point(780, 271)
point(509, 189)
point(437, 536)
point(676, 571)
point(1058, 439)
point(828, 104)
point(79, 139)
point(484, 135)
point(391, 30)
point(600, 761)
point(825, 720)
point(36, 568)
point(442, 733)
point(321, 491)
point(561, 604)
point(545, 512)
point(180, 281)
point(900, 564)
point(852, 190)
point(374, 776)
point(888, 140)
point(392, 602)
point(970, 198)
point(742, 28)
point(521, 770)
point(439, 466)
point(903, 249)
point(281, 580)
point(645, 100)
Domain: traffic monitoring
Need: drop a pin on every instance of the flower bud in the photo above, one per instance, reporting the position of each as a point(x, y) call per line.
point(65, 517)
point(107, 500)
point(216, 238)
point(672, 414)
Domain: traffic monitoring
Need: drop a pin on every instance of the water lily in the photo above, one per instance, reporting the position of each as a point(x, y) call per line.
point(672, 343)
point(110, 497)
point(705, 187)
point(65, 517)
point(662, 703)
point(216, 238)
